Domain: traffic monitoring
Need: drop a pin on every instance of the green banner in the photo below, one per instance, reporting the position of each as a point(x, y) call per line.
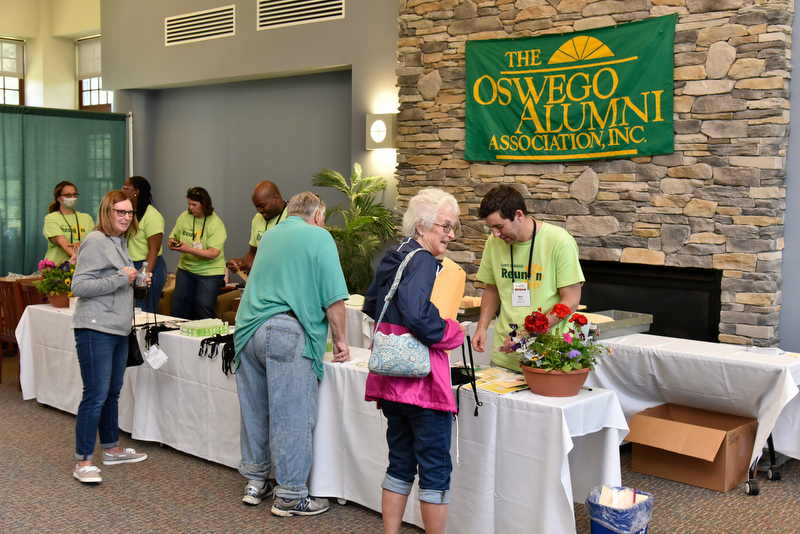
point(602, 93)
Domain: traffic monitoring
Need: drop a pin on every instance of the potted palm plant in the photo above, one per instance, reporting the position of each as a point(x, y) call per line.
point(367, 224)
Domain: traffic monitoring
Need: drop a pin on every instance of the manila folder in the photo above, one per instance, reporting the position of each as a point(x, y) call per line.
point(448, 289)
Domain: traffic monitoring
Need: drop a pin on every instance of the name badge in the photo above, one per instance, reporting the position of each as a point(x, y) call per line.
point(520, 295)
point(197, 244)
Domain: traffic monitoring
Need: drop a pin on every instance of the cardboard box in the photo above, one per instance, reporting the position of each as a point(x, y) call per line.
point(707, 449)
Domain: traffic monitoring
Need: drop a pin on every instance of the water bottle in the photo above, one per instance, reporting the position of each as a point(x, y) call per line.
point(140, 284)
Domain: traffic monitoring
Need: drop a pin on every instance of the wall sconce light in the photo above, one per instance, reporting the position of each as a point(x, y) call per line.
point(381, 130)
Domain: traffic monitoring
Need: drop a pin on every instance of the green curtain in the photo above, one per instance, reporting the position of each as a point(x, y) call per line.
point(40, 147)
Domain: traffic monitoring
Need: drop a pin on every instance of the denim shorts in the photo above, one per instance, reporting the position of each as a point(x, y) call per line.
point(418, 437)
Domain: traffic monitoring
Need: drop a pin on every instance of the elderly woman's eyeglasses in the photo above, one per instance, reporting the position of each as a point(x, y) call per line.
point(124, 213)
point(447, 227)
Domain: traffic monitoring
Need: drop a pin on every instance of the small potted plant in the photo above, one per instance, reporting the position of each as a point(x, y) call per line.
point(556, 357)
point(55, 282)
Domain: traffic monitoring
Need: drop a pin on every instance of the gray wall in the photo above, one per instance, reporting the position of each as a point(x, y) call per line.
point(227, 137)
point(790, 307)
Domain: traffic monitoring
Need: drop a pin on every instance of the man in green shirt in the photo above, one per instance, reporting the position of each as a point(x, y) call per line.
point(526, 265)
point(271, 210)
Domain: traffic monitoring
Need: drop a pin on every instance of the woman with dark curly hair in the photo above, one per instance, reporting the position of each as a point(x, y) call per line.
point(145, 246)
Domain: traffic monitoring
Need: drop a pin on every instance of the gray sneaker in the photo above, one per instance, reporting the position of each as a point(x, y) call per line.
point(254, 492)
point(128, 456)
point(308, 506)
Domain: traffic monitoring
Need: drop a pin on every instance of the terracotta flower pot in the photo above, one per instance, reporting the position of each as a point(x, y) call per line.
point(59, 300)
point(554, 383)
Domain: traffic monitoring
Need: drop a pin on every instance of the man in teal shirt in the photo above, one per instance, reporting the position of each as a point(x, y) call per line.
point(292, 295)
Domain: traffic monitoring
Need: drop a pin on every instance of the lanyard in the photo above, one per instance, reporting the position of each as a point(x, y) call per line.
point(530, 256)
point(77, 226)
point(279, 217)
point(202, 231)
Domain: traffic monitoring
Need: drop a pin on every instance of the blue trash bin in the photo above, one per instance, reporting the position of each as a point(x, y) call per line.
point(608, 520)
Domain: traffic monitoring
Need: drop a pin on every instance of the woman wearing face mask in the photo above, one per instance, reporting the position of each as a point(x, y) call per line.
point(64, 227)
point(199, 235)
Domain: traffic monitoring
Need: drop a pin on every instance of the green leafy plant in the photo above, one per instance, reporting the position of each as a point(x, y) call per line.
point(367, 224)
point(55, 278)
point(555, 349)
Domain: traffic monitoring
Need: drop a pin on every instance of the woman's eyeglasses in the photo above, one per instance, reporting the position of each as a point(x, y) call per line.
point(447, 227)
point(124, 213)
point(70, 195)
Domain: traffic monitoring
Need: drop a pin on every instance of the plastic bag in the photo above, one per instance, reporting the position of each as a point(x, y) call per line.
point(620, 520)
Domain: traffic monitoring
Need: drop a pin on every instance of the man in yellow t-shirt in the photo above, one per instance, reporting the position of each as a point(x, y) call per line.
point(271, 210)
point(526, 265)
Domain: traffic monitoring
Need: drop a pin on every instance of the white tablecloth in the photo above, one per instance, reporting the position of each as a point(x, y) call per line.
point(521, 463)
point(647, 370)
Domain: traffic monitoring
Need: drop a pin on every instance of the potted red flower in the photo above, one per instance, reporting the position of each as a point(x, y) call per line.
point(567, 349)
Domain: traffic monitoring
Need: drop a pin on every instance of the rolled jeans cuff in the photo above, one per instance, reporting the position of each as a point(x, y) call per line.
point(434, 496)
point(395, 485)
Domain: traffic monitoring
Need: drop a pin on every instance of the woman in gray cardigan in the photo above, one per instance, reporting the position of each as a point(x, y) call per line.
point(101, 322)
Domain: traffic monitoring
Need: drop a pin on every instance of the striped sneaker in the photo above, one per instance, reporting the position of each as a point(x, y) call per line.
point(308, 506)
point(128, 456)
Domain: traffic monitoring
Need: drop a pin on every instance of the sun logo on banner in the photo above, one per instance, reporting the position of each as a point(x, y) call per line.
point(580, 48)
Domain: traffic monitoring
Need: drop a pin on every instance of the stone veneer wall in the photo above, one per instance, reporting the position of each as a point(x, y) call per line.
point(717, 202)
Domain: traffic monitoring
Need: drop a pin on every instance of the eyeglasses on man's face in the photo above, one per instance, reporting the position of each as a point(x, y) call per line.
point(124, 213)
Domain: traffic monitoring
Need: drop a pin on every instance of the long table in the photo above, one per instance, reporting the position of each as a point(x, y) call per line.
point(518, 466)
point(647, 370)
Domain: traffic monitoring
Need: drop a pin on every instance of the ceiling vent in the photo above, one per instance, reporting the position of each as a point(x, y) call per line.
point(200, 26)
point(277, 13)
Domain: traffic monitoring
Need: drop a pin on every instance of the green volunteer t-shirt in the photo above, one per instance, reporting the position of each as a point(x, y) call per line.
point(73, 227)
point(555, 264)
point(210, 231)
point(259, 226)
point(152, 223)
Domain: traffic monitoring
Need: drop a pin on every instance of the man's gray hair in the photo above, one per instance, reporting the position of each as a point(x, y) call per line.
point(305, 205)
point(424, 207)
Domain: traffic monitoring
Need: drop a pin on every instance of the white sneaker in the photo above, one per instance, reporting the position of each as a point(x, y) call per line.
point(88, 474)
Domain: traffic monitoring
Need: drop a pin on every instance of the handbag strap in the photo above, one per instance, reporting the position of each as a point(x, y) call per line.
point(392, 290)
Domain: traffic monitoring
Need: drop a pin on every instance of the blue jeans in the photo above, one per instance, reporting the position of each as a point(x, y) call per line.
point(198, 292)
point(102, 358)
point(418, 436)
point(278, 400)
point(150, 304)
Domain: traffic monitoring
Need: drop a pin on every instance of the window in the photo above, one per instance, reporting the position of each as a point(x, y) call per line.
point(90, 77)
point(12, 72)
point(92, 96)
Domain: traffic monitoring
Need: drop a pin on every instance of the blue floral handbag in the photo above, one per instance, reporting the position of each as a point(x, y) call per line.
point(398, 355)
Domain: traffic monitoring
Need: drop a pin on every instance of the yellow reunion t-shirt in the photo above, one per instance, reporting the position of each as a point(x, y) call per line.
point(555, 264)
point(210, 231)
point(74, 227)
point(152, 223)
point(259, 225)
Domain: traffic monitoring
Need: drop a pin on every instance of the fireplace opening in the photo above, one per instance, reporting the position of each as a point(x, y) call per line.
point(684, 302)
